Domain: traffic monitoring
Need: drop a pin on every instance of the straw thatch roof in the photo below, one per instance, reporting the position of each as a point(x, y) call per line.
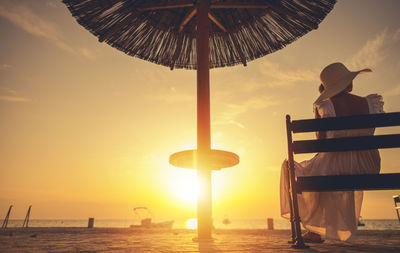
point(163, 31)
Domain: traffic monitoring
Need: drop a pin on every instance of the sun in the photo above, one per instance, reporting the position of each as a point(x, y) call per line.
point(184, 186)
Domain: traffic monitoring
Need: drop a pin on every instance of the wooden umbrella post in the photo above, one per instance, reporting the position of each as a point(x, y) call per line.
point(204, 203)
point(203, 159)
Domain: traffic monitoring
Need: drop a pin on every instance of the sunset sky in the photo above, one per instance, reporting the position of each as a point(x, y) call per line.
point(86, 130)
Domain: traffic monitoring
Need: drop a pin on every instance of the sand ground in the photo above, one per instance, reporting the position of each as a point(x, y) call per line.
point(129, 240)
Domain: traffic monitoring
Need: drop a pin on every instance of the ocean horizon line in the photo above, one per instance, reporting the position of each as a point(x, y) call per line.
point(280, 223)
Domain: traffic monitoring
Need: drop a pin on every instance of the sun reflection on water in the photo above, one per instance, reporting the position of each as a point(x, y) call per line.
point(191, 223)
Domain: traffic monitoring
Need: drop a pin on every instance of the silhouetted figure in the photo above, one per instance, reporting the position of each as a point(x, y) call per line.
point(335, 215)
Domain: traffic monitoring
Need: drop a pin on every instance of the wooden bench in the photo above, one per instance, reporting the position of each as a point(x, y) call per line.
point(396, 199)
point(337, 182)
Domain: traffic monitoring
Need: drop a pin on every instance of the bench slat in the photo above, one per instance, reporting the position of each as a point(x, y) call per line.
point(348, 122)
point(349, 182)
point(347, 144)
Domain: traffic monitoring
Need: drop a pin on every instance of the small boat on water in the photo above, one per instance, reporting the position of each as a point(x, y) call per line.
point(147, 223)
point(146, 220)
point(226, 221)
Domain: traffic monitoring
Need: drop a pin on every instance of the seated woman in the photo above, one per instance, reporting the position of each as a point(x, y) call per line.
point(334, 215)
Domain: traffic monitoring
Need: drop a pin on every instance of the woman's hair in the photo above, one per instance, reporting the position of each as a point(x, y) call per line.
point(321, 88)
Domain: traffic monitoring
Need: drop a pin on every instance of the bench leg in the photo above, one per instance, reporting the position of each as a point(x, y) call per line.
point(291, 206)
point(298, 239)
point(295, 219)
point(398, 215)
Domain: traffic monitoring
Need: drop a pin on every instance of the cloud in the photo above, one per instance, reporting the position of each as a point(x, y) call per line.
point(13, 99)
point(5, 66)
point(371, 53)
point(173, 96)
point(30, 22)
point(281, 77)
point(8, 90)
point(393, 92)
point(232, 111)
point(235, 93)
point(51, 4)
point(375, 49)
point(87, 53)
point(12, 96)
point(396, 35)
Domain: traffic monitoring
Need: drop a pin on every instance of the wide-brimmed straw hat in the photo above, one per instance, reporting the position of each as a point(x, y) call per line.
point(335, 78)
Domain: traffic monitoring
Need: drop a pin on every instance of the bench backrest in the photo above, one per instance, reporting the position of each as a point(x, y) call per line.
point(338, 182)
point(343, 123)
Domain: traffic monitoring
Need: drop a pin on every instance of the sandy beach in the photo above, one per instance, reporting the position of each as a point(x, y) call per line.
point(128, 240)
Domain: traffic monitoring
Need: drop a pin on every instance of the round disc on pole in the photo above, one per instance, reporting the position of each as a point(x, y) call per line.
point(212, 159)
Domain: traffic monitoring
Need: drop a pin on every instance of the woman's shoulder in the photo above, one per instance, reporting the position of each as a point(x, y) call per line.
point(375, 103)
point(325, 108)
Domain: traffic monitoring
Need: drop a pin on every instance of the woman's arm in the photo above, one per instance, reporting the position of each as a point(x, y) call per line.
point(322, 134)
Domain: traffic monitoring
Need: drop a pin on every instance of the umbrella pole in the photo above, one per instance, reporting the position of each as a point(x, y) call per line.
point(204, 198)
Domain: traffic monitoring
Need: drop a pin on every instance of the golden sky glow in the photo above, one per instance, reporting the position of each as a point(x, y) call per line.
point(87, 130)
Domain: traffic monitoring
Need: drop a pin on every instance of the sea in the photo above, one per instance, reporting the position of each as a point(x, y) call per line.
point(369, 224)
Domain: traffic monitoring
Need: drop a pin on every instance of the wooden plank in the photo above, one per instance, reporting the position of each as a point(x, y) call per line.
point(213, 19)
point(347, 144)
point(238, 6)
point(187, 18)
point(349, 182)
point(349, 122)
point(162, 7)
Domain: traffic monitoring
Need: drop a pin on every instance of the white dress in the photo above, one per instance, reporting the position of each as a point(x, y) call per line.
point(333, 215)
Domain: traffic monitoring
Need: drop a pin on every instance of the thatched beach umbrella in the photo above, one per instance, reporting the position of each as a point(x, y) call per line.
point(200, 34)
